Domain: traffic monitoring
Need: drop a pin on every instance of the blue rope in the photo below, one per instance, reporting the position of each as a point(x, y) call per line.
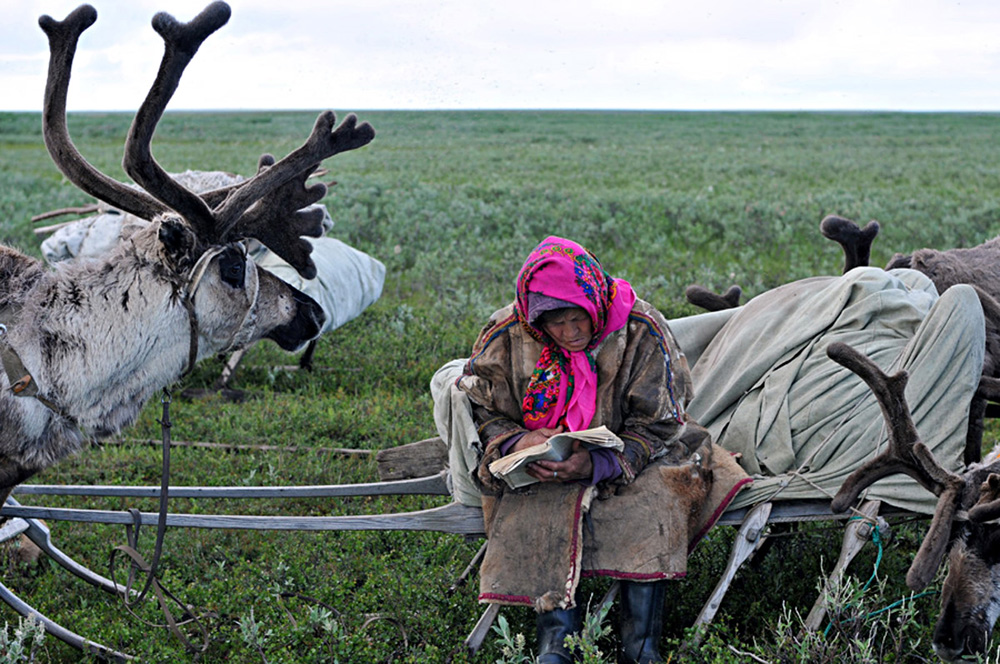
point(877, 538)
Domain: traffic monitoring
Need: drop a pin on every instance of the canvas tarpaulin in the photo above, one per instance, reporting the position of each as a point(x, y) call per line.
point(765, 388)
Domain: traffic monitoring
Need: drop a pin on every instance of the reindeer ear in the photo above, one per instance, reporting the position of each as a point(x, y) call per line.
point(987, 507)
point(178, 242)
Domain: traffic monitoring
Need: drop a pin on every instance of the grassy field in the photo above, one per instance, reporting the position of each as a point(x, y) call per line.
point(451, 202)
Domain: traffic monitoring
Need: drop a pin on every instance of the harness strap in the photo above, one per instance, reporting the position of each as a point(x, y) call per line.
point(139, 564)
point(191, 289)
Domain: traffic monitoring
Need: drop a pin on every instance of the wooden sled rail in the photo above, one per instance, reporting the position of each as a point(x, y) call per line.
point(454, 518)
point(800, 511)
point(38, 533)
point(434, 485)
point(451, 518)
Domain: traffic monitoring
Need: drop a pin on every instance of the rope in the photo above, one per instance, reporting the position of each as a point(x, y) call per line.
point(877, 538)
point(858, 514)
point(139, 563)
point(798, 472)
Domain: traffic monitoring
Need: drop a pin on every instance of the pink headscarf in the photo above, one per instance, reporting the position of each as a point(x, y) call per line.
point(563, 387)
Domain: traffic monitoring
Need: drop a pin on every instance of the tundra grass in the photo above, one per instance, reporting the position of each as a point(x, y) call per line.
point(451, 202)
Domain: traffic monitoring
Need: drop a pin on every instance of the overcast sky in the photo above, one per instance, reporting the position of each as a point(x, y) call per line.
point(913, 55)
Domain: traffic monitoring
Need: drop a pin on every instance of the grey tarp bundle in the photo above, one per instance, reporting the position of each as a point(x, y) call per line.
point(347, 281)
point(453, 418)
point(765, 388)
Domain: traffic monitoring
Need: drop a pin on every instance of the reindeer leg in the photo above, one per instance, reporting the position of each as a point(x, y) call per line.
point(11, 474)
point(306, 359)
point(974, 437)
point(989, 384)
point(855, 241)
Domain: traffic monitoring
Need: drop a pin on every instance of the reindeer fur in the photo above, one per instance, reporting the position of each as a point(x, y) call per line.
point(970, 593)
point(100, 337)
point(979, 265)
point(970, 603)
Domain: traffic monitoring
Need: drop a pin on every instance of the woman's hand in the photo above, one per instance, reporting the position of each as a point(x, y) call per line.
point(536, 437)
point(578, 466)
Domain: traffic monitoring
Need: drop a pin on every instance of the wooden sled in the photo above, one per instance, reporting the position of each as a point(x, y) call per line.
point(428, 457)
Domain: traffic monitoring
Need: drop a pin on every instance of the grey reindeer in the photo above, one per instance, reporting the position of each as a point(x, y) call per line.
point(85, 345)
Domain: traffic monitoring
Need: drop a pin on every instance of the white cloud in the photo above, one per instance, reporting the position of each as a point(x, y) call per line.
point(726, 54)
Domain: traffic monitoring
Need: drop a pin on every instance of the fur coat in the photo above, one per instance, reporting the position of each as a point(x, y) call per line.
point(647, 517)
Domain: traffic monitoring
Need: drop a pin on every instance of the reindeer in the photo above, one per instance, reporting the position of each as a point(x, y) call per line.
point(964, 522)
point(86, 344)
point(964, 525)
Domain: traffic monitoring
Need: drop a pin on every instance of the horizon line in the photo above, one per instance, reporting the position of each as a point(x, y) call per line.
point(531, 110)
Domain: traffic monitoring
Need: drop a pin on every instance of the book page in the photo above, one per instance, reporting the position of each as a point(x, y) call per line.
point(513, 467)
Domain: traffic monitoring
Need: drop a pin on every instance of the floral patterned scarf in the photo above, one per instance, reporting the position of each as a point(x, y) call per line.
point(563, 386)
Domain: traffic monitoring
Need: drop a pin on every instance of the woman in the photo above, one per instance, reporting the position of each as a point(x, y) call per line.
point(577, 349)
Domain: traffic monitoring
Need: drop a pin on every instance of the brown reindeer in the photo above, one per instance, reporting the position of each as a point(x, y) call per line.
point(977, 266)
point(964, 522)
point(85, 345)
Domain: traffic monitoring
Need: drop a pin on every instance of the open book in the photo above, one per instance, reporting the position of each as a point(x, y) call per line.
point(513, 468)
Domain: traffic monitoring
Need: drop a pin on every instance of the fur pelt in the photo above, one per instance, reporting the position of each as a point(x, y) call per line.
point(542, 540)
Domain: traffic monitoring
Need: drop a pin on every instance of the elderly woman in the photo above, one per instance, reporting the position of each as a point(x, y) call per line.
point(577, 349)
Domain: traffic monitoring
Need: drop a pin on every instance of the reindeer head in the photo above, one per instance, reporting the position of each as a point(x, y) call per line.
point(964, 522)
point(198, 238)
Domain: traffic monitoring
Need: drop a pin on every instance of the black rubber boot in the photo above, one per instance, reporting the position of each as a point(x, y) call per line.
point(553, 628)
point(642, 621)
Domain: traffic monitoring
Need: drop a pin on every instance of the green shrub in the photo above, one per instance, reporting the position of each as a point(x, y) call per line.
point(451, 202)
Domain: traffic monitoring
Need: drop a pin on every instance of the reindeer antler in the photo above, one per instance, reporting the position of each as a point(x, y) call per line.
point(700, 296)
point(987, 507)
point(267, 206)
point(278, 193)
point(855, 241)
point(63, 37)
point(906, 453)
point(182, 41)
